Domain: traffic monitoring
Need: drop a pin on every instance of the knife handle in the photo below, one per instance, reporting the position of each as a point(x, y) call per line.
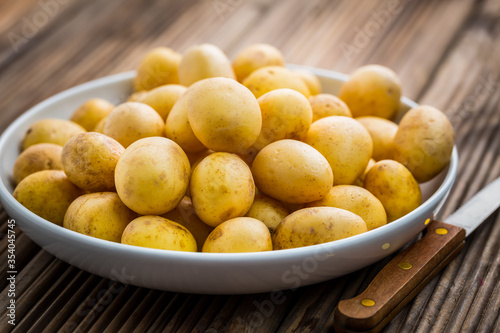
point(400, 280)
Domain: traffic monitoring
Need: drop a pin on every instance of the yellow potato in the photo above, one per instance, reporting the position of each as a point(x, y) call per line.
point(99, 128)
point(50, 130)
point(223, 114)
point(361, 179)
point(292, 171)
point(372, 90)
point(269, 78)
point(395, 187)
point(254, 57)
point(136, 96)
point(158, 233)
point(90, 113)
point(286, 114)
point(89, 161)
point(102, 215)
point(268, 210)
point(311, 80)
point(48, 194)
point(163, 98)
point(152, 176)
point(42, 156)
point(157, 68)
point(221, 188)
point(204, 61)
point(345, 143)
point(382, 132)
point(316, 225)
point(240, 234)
point(356, 200)
point(178, 128)
point(185, 215)
point(131, 121)
point(424, 142)
point(325, 105)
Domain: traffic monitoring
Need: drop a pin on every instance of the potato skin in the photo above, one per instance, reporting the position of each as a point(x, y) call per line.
point(240, 234)
point(372, 90)
point(395, 187)
point(152, 176)
point(345, 143)
point(102, 215)
point(158, 233)
point(256, 56)
point(163, 98)
point(269, 78)
point(223, 114)
point(382, 132)
point(316, 225)
point(51, 130)
point(312, 82)
point(424, 142)
point(221, 188)
point(325, 105)
point(292, 171)
point(89, 161)
point(361, 179)
point(42, 156)
point(91, 112)
point(158, 67)
point(268, 210)
point(356, 200)
point(48, 194)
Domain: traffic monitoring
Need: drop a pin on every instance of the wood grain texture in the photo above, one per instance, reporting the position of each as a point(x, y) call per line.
point(447, 55)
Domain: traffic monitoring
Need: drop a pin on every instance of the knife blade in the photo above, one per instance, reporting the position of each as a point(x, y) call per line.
point(407, 273)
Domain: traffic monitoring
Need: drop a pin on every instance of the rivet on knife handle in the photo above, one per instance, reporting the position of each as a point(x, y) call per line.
point(398, 279)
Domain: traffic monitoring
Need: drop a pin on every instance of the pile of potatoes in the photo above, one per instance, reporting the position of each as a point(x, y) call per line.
point(213, 156)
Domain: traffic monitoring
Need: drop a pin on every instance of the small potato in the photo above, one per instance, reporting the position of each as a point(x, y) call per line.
point(325, 105)
point(48, 194)
point(269, 78)
point(152, 176)
point(99, 128)
point(178, 128)
point(91, 112)
point(223, 114)
point(372, 90)
point(42, 156)
point(361, 179)
point(395, 187)
point(345, 143)
point(157, 68)
point(136, 96)
point(185, 215)
point(317, 225)
point(286, 114)
point(268, 210)
point(158, 233)
point(204, 61)
point(221, 188)
point(240, 234)
point(356, 200)
point(131, 121)
point(89, 161)
point(101, 215)
point(310, 80)
point(292, 171)
point(424, 142)
point(50, 130)
point(254, 57)
point(382, 132)
point(163, 98)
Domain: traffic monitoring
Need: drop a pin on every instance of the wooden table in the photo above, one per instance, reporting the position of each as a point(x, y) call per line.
point(447, 54)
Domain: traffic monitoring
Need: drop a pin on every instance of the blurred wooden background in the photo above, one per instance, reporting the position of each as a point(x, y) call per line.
point(447, 54)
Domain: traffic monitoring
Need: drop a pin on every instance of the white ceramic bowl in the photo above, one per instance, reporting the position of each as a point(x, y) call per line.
point(206, 273)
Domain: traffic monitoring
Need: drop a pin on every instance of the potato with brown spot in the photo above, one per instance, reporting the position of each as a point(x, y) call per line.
point(42, 156)
point(395, 187)
point(102, 215)
point(317, 225)
point(48, 194)
point(89, 160)
point(158, 233)
point(268, 210)
point(222, 188)
point(265, 79)
point(158, 67)
point(90, 113)
point(382, 132)
point(240, 234)
point(325, 105)
point(51, 130)
point(256, 56)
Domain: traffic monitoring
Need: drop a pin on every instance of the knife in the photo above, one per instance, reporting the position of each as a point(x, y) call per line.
point(405, 275)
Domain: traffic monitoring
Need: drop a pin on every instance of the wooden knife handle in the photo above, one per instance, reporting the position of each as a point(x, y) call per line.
point(400, 280)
